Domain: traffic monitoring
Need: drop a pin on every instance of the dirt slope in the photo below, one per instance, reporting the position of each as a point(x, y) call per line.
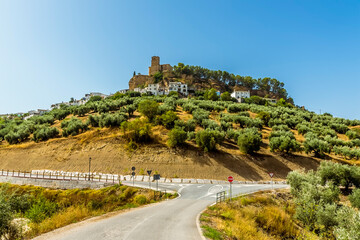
point(108, 151)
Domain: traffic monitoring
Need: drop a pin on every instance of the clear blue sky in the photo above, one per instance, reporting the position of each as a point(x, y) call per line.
point(51, 51)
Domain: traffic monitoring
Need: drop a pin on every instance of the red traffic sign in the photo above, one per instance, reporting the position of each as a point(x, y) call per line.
point(230, 179)
point(271, 174)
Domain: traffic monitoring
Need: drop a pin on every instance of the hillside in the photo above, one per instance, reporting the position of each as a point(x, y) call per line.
point(47, 142)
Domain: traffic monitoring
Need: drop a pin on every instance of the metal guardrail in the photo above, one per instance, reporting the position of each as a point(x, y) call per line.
point(60, 176)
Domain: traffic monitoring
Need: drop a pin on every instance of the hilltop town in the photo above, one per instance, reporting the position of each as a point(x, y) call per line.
point(163, 79)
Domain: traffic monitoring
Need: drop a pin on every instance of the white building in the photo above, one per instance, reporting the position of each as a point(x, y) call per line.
point(92, 94)
point(272, 100)
point(240, 95)
point(154, 89)
point(123, 91)
point(38, 112)
point(177, 87)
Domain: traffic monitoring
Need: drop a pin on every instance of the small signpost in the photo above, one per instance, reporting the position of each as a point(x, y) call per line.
point(133, 175)
point(230, 179)
point(157, 178)
point(271, 176)
point(149, 173)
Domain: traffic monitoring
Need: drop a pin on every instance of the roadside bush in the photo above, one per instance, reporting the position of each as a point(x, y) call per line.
point(177, 136)
point(140, 199)
point(148, 108)
point(45, 133)
point(73, 127)
point(207, 139)
point(41, 210)
point(249, 140)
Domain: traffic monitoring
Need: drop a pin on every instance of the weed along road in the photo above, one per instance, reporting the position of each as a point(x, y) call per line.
point(174, 219)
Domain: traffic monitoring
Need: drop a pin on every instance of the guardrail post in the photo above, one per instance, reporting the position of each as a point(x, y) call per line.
point(113, 179)
point(43, 174)
point(30, 174)
point(50, 175)
point(13, 173)
point(37, 174)
point(2, 170)
point(7, 173)
point(78, 176)
point(106, 177)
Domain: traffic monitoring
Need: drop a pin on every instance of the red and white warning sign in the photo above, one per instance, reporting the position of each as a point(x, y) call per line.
point(230, 179)
point(271, 174)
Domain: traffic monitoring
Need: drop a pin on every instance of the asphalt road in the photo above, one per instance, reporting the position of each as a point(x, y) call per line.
point(174, 219)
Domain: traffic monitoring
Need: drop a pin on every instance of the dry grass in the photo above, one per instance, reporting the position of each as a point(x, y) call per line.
point(76, 205)
point(262, 216)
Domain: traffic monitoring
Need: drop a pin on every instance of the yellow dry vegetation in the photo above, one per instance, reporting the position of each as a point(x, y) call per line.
point(261, 216)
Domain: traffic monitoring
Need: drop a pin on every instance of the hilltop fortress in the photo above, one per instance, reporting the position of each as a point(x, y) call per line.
point(140, 80)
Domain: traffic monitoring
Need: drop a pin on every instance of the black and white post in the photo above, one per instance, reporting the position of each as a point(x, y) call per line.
point(133, 175)
point(149, 173)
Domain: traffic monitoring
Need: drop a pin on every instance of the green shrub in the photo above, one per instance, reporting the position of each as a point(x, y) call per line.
point(211, 95)
point(177, 136)
point(45, 133)
point(60, 114)
point(41, 210)
point(73, 127)
point(314, 144)
point(81, 110)
point(283, 141)
point(93, 120)
point(265, 117)
point(225, 96)
point(140, 199)
point(188, 126)
point(352, 134)
point(249, 140)
point(112, 119)
point(42, 119)
point(200, 114)
point(207, 139)
point(355, 198)
point(168, 119)
point(148, 108)
point(236, 107)
point(138, 130)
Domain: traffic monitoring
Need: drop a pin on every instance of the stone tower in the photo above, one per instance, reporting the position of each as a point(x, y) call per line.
point(155, 65)
point(155, 61)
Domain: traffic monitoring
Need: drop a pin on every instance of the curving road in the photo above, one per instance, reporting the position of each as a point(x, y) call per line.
point(174, 219)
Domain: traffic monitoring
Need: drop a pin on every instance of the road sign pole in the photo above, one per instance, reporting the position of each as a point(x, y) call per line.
point(230, 190)
point(230, 179)
point(272, 183)
point(157, 185)
point(149, 173)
